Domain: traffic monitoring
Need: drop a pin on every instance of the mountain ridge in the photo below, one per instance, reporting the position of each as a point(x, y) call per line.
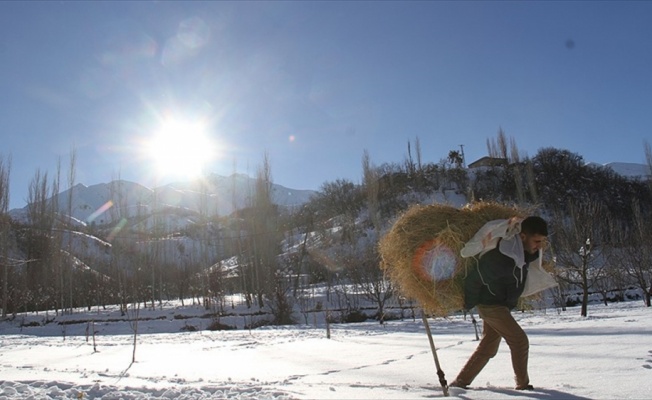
point(627, 169)
point(214, 195)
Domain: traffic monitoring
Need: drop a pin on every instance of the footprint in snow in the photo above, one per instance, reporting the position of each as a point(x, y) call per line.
point(649, 362)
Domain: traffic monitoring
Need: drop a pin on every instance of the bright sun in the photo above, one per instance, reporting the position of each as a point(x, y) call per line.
point(180, 148)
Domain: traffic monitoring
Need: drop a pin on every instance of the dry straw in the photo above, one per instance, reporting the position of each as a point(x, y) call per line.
point(425, 232)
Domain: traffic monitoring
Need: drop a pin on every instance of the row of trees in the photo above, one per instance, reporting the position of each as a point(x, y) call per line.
point(597, 252)
point(597, 218)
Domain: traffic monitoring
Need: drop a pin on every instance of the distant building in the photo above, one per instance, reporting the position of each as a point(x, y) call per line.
point(487, 161)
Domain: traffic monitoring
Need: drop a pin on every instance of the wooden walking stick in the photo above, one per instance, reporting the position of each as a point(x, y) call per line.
point(440, 372)
point(475, 326)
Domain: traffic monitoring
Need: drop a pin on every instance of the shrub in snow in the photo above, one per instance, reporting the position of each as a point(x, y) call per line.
point(218, 326)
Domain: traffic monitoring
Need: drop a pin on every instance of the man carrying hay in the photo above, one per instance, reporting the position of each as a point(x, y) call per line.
point(494, 285)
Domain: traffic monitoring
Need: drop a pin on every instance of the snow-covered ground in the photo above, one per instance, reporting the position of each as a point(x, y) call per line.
point(605, 356)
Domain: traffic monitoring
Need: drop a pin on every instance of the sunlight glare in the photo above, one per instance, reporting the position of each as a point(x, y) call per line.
point(180, 148)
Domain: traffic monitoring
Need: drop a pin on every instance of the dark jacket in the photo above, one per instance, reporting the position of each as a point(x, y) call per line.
point(495, 280)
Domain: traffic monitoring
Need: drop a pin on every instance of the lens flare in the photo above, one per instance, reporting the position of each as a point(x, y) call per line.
point(100, 211)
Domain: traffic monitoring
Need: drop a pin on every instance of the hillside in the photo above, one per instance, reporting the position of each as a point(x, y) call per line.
point(127, 241)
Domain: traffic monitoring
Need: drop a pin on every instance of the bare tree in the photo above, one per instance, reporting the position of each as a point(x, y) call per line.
point(410, 167)
point(637, 255)
point(363, 269)
point(121, 241)
point(71, 184)
point(497, 148)
point(648, 159)
point(42, 247)
point(419, 178)
point(371, 186)
point(366, 271)
point(57, 258)
point(531, 181)
point(518, 174)
point(632, 252)
point(238, 241)
point(515, 164)
point(577, 244)
point(203, 241)
point(5, 227)
point(417, 145)
point(153, 248)
point(264, 234)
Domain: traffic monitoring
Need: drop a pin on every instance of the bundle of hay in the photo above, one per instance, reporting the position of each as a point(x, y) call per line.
point(421, 252)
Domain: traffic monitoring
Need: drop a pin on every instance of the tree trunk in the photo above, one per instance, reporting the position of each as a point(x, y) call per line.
point(585, 301)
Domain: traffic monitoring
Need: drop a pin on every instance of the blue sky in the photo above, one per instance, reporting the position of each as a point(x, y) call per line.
point(315, 84)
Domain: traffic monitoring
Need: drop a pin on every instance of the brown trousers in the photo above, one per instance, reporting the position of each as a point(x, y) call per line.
point(498, 323)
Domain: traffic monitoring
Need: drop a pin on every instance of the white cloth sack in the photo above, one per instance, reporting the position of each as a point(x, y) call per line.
point(487, 237)
point(538, 279)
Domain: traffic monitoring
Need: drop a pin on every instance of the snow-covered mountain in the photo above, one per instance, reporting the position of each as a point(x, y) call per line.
point(628, 170)
point(215, 195)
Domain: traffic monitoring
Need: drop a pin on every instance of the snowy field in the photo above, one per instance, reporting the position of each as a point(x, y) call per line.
point(605, 356)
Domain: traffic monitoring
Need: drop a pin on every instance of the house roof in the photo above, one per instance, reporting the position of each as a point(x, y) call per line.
point(487, 161)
